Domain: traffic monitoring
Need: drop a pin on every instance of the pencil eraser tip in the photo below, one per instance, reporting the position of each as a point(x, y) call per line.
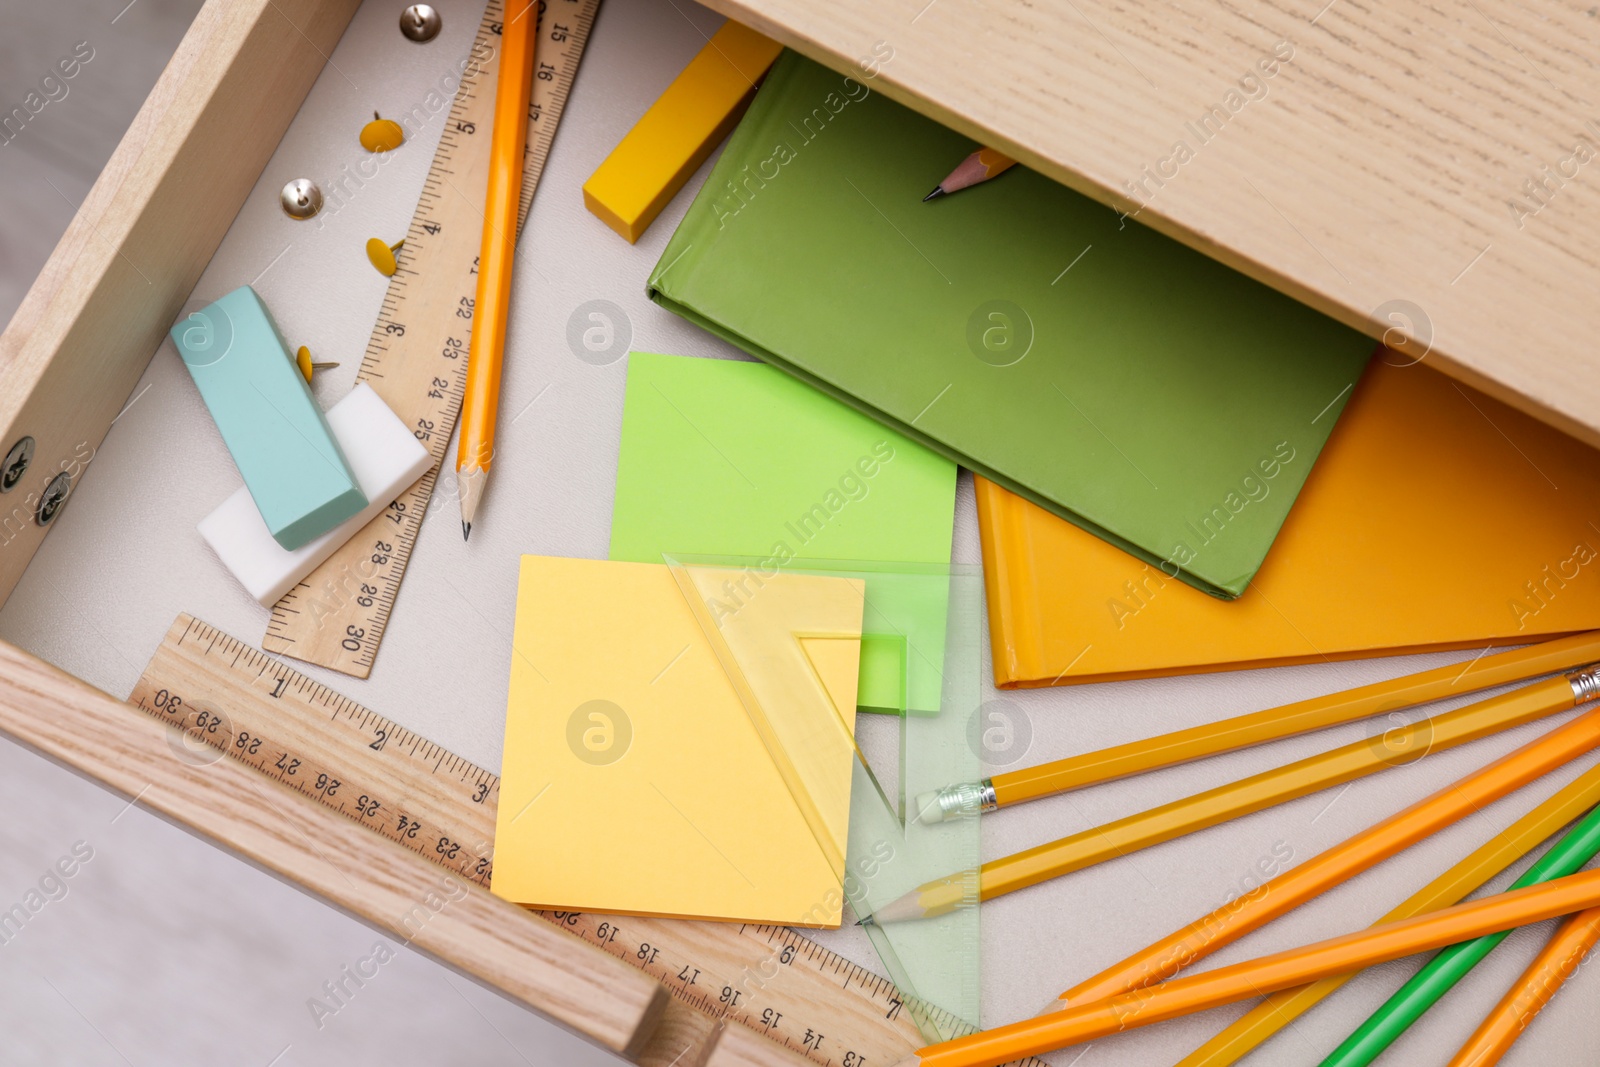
point(930, 810)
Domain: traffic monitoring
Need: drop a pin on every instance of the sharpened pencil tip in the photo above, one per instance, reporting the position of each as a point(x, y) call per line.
point(466, 530)
point(938, 191)
point(865, 921)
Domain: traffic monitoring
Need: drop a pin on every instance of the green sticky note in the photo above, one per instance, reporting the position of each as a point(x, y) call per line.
point(272, 426)
point(739, 459)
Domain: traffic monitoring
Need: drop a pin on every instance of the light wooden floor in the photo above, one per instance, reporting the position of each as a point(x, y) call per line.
point(161, 949)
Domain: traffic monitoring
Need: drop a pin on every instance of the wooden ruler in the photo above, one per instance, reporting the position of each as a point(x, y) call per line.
point(253, 707)
point(417, 356)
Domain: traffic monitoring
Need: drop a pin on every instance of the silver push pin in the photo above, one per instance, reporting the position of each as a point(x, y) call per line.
point(301, 199)
point(420, 23)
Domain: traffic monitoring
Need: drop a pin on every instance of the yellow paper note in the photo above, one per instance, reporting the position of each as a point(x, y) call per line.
point(634, 779)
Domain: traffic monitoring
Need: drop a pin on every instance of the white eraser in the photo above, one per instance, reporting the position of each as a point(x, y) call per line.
point(383, 455)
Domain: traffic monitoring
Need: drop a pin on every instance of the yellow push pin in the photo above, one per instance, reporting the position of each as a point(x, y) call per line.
point(382, 135)
point(302, 359)
point(382, 256)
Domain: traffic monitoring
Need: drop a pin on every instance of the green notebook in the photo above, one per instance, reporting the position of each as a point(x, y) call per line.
point(1123, 381)
point(726, 458)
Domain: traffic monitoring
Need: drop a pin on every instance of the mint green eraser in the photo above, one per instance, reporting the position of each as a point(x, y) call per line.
point(271, 424)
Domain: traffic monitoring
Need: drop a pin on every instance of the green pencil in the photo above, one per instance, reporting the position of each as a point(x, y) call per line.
point(1385, 1025)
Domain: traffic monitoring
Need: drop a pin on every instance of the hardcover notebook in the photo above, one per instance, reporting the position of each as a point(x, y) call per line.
point(1129, 384)
point(1436, 518)
point(724, 457)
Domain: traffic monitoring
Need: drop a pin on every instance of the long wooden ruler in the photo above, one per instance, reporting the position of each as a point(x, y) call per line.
point(417, 356)
point(231, 698)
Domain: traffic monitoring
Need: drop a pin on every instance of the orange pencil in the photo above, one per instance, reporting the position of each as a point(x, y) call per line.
point(1253, 978)
point(1552, 967)
point(1248, 1032)
point(1342, 862)
point(512, 94)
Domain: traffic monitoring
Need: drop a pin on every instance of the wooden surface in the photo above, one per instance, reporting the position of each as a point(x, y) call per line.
point(738, 1047)
point(53, 618)
point(780, 989)
point(302, 735)
point(680, 1035)
point(52, 163)
point(120, 275)
point(463, 925)
point(1379, 174)
point(1409, 170)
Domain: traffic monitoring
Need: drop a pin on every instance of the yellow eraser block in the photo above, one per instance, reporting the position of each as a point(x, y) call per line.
point(680, 130)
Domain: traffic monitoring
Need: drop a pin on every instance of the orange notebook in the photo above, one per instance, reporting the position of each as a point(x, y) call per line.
point(1435, 518)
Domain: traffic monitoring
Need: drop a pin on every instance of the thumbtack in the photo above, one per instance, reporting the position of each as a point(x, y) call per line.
point(302, 359)
point(301, 199)
point(382, 135)
point(383, 256)
point(420, 23)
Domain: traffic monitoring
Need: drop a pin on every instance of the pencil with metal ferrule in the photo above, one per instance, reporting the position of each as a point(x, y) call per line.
point(1300, 778)
point(982, 165)
point(1244, 731)
point(1527, 998)
point(1281, 970)
point(1244, 1034)
point(491, 308)
point(1441, 973)
point(1336, 865)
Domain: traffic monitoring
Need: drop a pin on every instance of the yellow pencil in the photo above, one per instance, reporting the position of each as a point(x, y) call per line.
point(1244, 731)
point(1241, 981)
point(481, 401)
point(1293, 887)
point(1334, 767)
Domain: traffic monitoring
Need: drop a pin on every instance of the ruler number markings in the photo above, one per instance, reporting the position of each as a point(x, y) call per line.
point(298, 762)
point(442, 807)
point(416, 353)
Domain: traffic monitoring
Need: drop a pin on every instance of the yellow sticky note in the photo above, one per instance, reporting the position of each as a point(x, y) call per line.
point(680, 130)
point(635, 778)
